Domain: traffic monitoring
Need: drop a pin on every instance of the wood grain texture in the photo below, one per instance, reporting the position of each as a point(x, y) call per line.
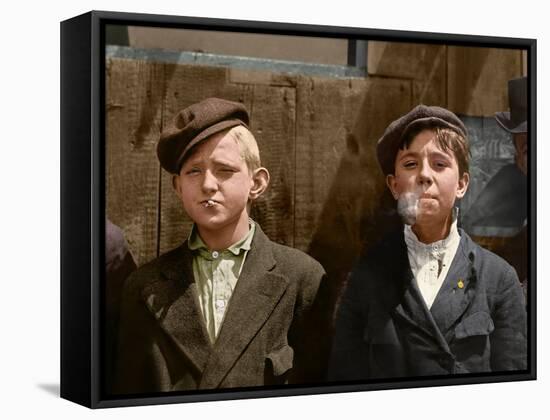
point(273, 123)
point(133, 110)
point(353, 189)
point(317, 137)
point(424, 65)
point(478, 79)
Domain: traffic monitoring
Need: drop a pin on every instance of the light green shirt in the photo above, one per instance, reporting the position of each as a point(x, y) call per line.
point(216, 274)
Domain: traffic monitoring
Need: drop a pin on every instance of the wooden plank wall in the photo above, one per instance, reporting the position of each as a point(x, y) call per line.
point(316, 135)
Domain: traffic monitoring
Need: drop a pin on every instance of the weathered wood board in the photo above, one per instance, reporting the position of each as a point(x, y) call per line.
point(478, 79)
point(317, 136)
point(133, 123)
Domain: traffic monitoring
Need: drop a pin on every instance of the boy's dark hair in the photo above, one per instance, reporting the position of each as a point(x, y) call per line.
point(400, 132)
point(450, 141)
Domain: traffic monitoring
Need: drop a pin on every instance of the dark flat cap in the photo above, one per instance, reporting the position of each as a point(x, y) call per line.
point(515, 120)
point(194, 124)
point(420, 116)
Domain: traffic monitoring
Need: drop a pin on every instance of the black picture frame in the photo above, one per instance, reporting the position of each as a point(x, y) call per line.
point(83, 203)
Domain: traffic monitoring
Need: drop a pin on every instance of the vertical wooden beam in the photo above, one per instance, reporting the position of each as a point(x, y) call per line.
point(134, 95)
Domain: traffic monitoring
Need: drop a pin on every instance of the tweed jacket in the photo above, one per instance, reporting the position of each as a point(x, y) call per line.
point(272, 333)
point(384, 329)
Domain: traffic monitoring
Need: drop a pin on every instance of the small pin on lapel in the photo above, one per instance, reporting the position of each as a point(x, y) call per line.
point(460, 284)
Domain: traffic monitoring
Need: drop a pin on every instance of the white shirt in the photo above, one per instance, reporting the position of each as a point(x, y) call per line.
point(430, 262)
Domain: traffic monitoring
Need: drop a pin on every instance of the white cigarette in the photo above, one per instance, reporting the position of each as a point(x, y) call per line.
point(210, 203)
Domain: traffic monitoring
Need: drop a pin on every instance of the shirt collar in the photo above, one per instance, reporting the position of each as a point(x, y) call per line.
point(435, 248)
point(195, 242)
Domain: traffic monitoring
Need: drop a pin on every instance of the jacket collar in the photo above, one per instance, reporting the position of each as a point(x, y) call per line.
point(195, 242)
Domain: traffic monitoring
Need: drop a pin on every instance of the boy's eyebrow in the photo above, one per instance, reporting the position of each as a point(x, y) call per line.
point(415, 154)
point(216, 161)
point(407, 154)
point(222, 161)
point(442, 154)
point(192, 161)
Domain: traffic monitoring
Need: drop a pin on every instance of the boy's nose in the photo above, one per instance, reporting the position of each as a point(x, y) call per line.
point(209, 182)
point(425, 177)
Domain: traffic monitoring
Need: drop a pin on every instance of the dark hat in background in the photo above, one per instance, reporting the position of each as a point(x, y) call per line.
point(515, 120)
point(420, 116)
point(194, 124)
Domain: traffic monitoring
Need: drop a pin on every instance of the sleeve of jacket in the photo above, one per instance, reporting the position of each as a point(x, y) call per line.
point(349, 355)
point(509, 338)
point(132, 370)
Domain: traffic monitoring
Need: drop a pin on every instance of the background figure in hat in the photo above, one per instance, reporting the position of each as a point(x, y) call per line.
point(229, 307)
point(498, 217)
point(428, 300)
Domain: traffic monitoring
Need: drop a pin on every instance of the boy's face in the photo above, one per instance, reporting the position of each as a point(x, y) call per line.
point(214, 184)
point(428, 178)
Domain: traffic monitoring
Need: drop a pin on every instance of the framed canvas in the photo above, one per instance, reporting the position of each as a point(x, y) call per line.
point(321, 300)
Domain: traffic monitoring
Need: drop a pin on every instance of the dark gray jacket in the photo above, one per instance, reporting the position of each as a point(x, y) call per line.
point(384, 329)
point(273, 331)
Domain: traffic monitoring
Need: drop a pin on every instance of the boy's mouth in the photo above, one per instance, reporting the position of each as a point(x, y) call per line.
point(209, 203)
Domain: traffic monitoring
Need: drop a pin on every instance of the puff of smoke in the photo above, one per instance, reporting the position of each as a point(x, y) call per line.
point(407, 207)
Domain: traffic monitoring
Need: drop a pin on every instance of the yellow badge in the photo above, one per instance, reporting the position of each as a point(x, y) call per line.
point(460, 284)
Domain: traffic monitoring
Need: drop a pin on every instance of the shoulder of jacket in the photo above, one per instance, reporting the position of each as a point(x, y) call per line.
point(151, 271)
point(295, 259)
point(485, 261)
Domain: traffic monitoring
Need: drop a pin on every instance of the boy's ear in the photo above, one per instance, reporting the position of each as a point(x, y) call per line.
point(390, 182)
point(176, 184)
point(463, 183)
point(260, 181)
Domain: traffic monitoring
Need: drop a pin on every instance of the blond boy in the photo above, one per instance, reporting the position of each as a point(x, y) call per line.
point(228, 308)
point(428, 300)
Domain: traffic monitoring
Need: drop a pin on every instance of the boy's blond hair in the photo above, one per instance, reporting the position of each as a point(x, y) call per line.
point(247, 145)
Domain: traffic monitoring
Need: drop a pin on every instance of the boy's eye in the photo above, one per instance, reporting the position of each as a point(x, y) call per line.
point(192, 171)
point(409, 164)
point(441, 164)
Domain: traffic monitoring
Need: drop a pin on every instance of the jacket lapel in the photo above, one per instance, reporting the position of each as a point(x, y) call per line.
point(257, 293)
point(173, 300)
point(455, 293)
point(411, 307)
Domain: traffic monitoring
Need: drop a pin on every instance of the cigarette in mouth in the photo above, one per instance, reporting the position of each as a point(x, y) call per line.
point(209, 203)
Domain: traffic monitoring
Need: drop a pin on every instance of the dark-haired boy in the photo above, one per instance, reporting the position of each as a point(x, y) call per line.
point(428, 300)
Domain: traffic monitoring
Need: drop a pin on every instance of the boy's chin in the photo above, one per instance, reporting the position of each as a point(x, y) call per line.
point(430, 219)
point(210, 223)
point(216, 222)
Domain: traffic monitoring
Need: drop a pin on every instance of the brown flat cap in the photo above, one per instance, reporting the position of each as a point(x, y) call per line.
point(194, 124)
point(420, 116)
